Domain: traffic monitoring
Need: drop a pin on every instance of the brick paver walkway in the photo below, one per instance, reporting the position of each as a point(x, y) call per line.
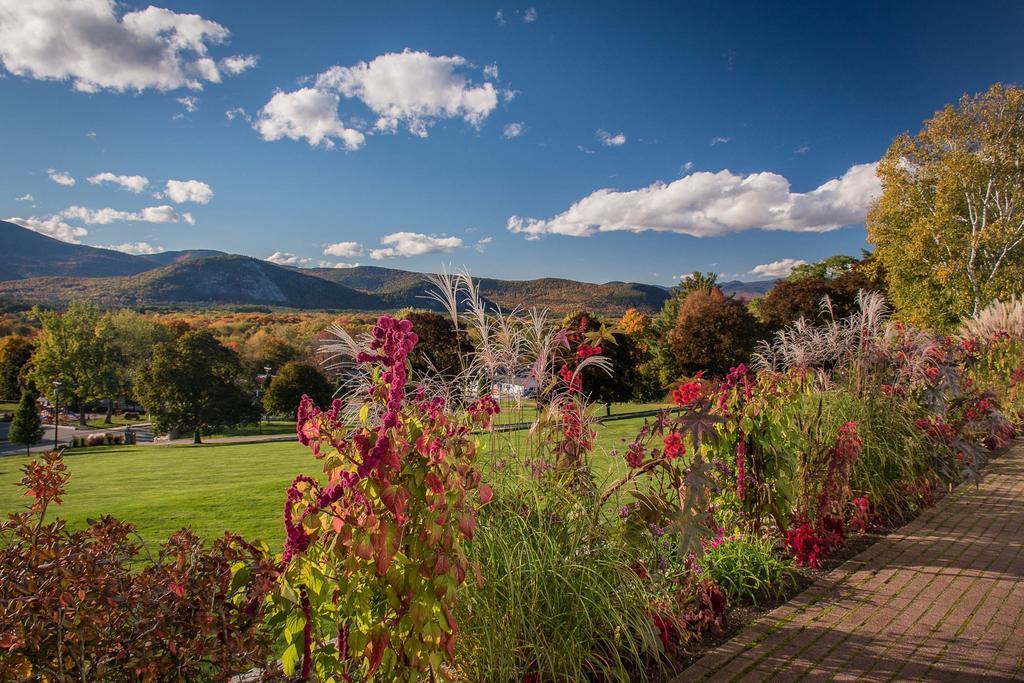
point(942, 599)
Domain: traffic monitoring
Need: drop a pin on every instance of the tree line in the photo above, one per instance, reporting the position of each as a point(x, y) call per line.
point(187, 380)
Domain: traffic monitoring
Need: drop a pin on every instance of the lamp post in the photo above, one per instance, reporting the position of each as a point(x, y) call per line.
point(266, 383)
point(56, 411)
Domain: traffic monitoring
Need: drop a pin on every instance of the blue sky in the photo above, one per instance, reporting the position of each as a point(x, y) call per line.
point(484, 144)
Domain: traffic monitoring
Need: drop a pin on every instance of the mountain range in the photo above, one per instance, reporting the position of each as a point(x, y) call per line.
point(39, 269)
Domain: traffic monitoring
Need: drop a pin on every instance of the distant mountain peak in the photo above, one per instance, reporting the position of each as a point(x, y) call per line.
point(39, 268)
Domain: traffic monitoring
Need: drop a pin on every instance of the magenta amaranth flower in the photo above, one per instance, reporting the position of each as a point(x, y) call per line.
point(305, 423)
point(741, 448)
point(296, 538)
point(394, 340)
point(737, 378)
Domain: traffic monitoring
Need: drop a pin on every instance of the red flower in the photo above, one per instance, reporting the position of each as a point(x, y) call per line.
point(674, 446)
point(687, 393)
point(635, 455)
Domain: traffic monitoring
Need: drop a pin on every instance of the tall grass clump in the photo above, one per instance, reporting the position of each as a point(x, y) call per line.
point(558, 599)
point(749, 569)
point(895, 454)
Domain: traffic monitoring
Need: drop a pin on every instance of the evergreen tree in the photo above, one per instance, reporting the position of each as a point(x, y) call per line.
point(26, 428)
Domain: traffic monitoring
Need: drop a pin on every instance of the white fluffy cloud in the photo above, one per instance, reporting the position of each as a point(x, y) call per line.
point(513, 130)
point(236, 64)
point(414, 89)
point(60, 177)
point(51, 226)
point(530, 15)
point(136, 248)
point(96, 46)
point(150, 214)
point(343, 249)
point(181, 191)
point(609, 140)
point(336, 264)
point(285, 258)
point(133, 183)
point(777, 269)
point(413, 244)
point(308, 114)
point(719, 140)
point(25, 198)
point(708, 204)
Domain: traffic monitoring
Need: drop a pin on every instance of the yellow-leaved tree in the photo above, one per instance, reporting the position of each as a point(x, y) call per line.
point(949, 226)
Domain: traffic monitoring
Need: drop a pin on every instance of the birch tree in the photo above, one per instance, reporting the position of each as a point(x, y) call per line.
point(949, 226)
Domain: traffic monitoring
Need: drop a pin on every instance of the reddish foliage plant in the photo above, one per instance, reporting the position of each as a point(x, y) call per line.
point(73, 605)
point(374, 557)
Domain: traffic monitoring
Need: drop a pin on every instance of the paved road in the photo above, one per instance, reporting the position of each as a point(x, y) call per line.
point(942, 599)
point(64, 434)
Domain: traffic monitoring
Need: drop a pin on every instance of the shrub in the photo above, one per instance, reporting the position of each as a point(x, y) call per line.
point(712, 334)
point(191, 614)
point(748, 569)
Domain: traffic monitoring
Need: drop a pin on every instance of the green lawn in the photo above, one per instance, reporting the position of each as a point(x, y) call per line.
point(115, 421)
point(8, 407)
point(214, 487)
point(271, 427)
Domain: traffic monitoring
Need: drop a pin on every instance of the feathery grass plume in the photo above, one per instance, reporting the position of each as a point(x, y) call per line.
point(837, 343)
point(446, 292)
point(996, 319)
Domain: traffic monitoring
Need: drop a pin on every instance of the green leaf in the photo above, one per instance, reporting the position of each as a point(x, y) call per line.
point(289, 658)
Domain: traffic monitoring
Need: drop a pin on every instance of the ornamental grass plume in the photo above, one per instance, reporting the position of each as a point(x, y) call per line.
point(997, 319)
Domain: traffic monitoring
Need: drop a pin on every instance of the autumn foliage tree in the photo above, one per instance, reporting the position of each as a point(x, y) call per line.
point(949, 226)
point(712, 333)
point(790, 299)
